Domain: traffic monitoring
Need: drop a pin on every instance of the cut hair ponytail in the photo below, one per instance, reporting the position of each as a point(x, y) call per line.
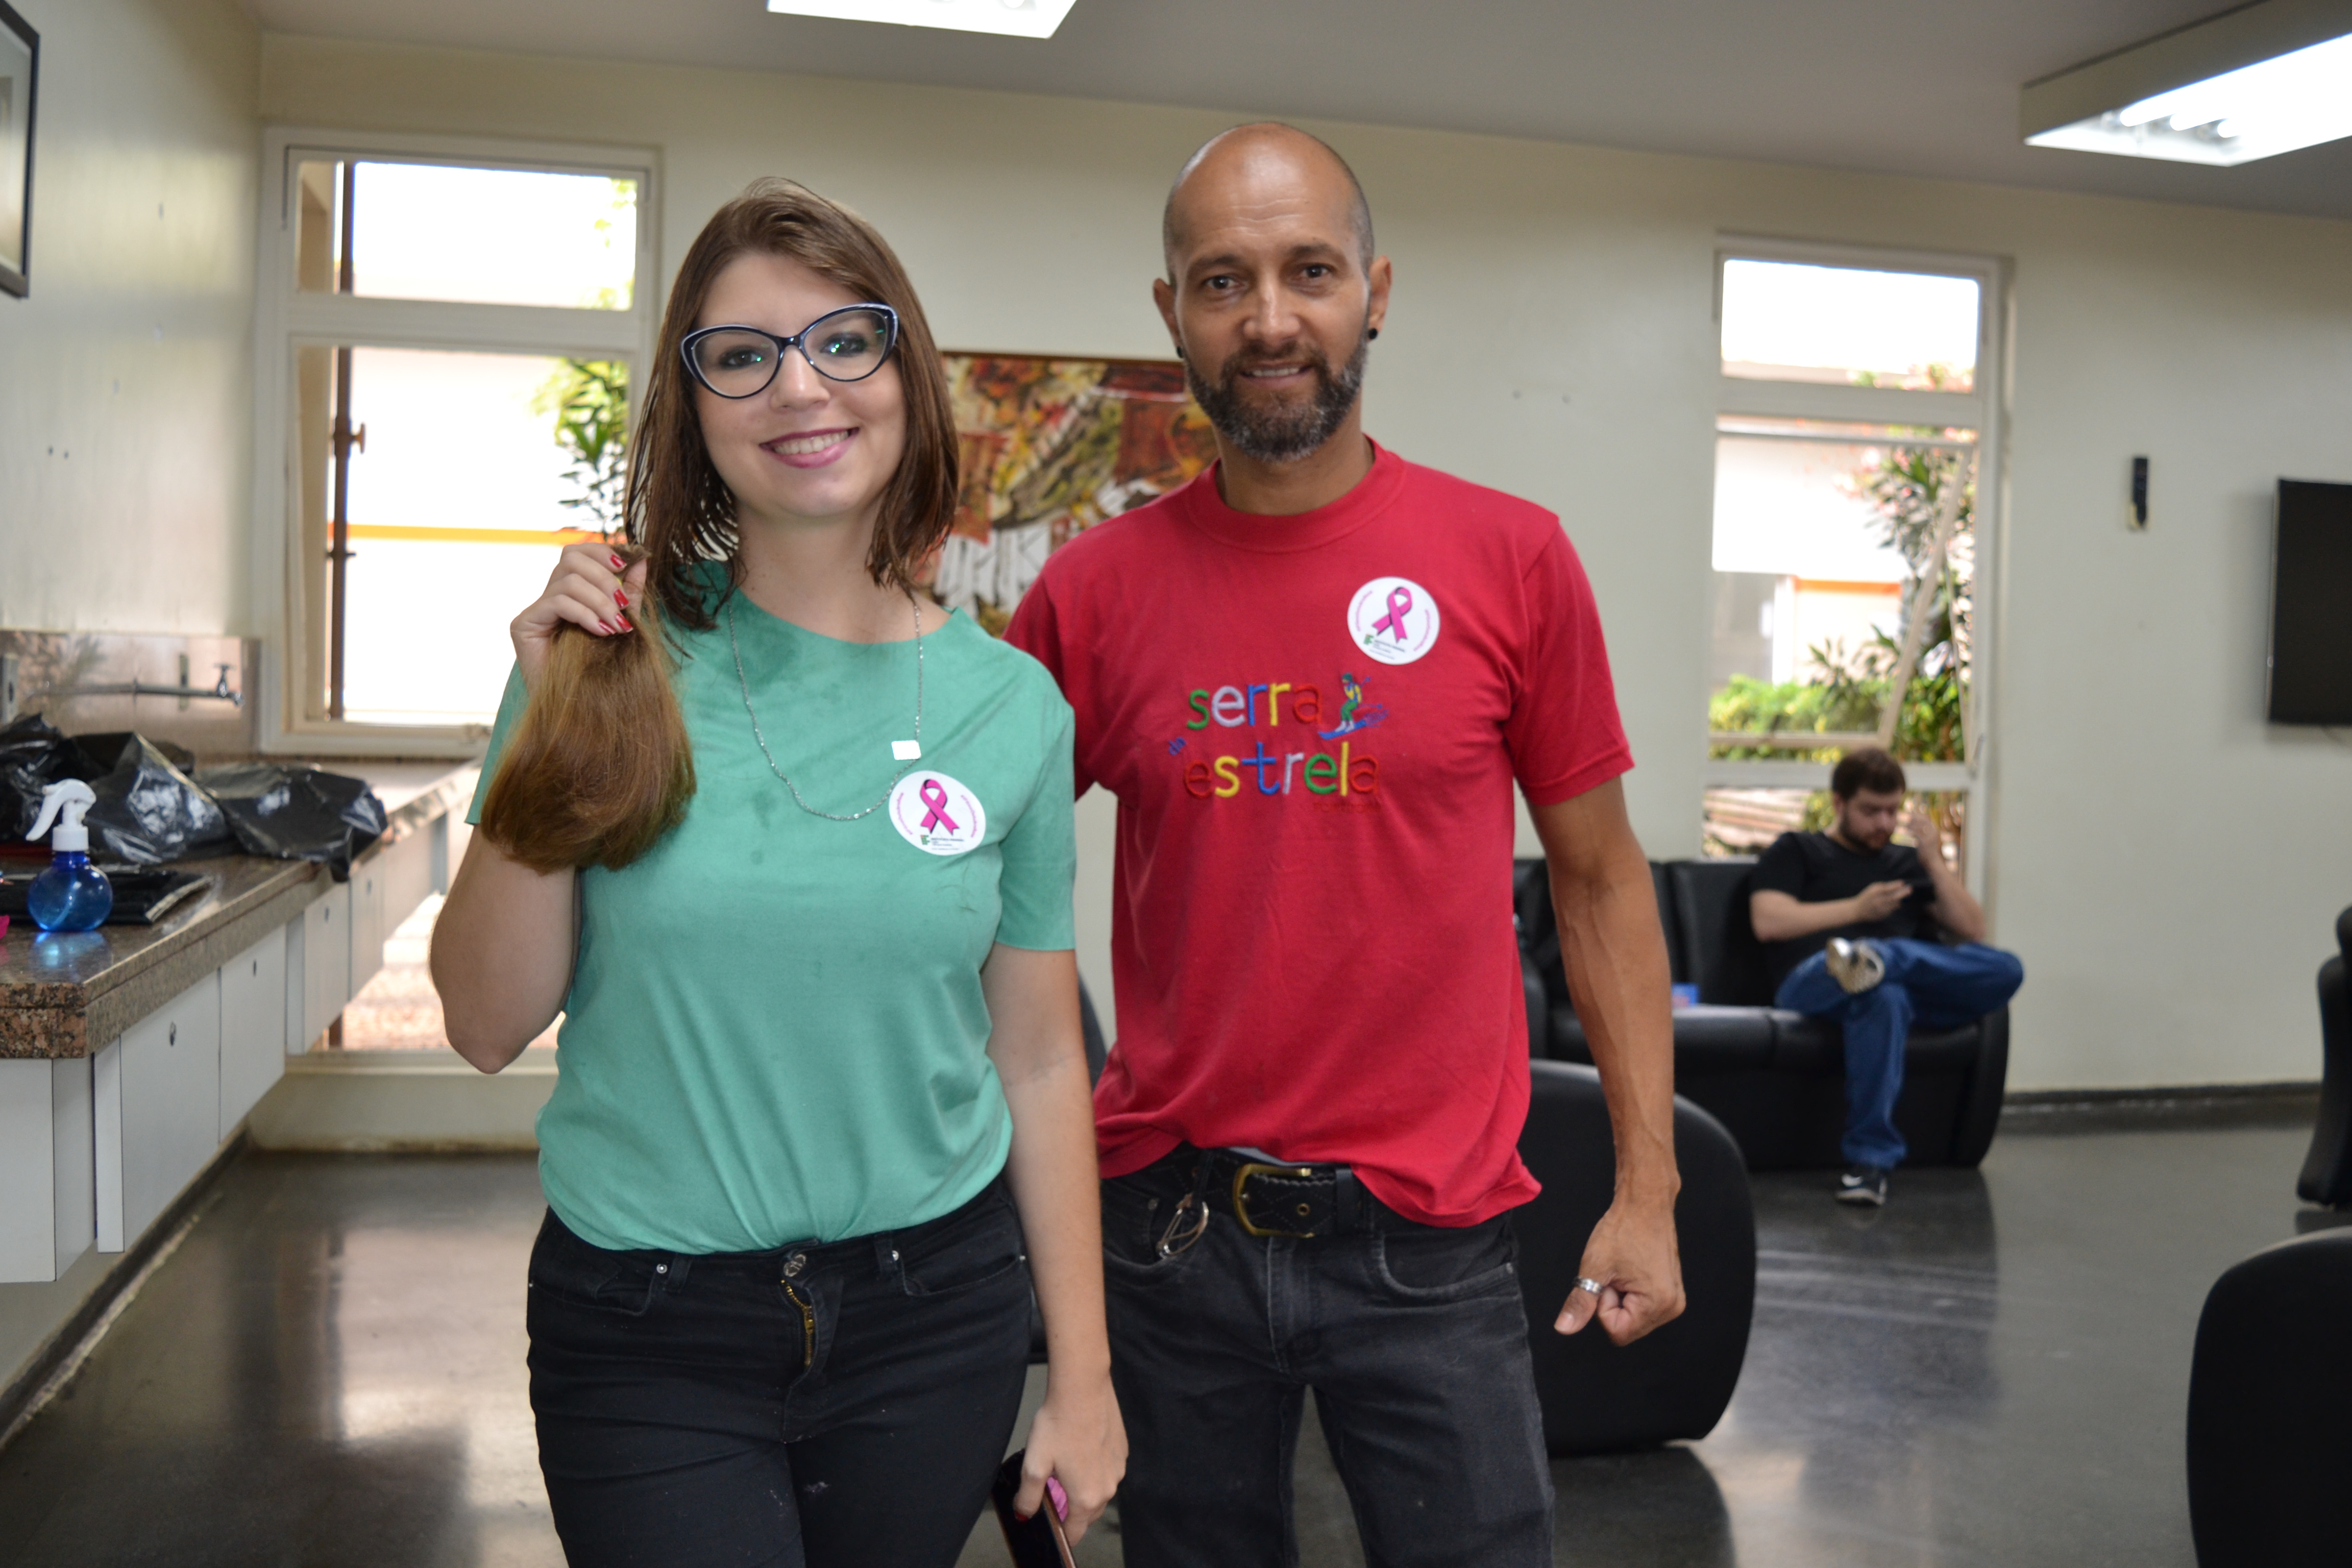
point(599, 768)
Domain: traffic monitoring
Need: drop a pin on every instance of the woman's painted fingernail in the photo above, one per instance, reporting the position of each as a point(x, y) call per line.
point(621, 598)
point(623, 622)
point(603, 628)
point(619, 564)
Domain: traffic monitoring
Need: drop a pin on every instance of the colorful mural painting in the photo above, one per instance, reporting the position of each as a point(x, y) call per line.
point(1052, 446)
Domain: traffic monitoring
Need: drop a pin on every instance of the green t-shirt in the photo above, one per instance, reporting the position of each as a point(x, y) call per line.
point(775, 1030)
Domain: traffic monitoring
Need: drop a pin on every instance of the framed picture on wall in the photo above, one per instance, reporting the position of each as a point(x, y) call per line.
point(1050, 447)
point(20, 58)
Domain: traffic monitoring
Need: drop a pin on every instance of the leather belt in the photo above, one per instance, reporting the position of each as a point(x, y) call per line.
point(1278, 1198)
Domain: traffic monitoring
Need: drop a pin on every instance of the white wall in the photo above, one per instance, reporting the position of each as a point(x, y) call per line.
point(2168, 866)
point(126, 403)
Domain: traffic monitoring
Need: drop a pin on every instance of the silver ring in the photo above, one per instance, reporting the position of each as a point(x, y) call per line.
point(1595, 1286)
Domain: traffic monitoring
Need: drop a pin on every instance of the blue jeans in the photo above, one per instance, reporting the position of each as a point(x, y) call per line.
point(1941, 987)
point(1414, 1340)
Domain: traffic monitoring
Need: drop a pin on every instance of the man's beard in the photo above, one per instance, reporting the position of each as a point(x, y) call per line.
point(1857, 836)
point(1283, 432)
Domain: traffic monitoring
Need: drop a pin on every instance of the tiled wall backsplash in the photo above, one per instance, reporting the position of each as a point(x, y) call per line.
point(83, 681)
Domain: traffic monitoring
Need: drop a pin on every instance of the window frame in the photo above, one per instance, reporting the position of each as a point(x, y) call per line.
point(1983, 409)
point(288, 320)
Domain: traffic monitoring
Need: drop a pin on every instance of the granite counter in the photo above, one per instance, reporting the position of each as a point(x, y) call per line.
point(64, 993)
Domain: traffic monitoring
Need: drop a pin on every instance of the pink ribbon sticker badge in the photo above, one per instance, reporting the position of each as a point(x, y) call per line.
point(936, 799)
point(1399, 602)
point(936, 814)
point(1393, 619)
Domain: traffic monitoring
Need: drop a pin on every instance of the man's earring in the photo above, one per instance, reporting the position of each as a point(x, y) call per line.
point(1374, 333)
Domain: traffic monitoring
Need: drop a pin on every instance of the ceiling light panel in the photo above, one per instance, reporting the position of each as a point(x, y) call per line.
point(1012, 19)
point(2263, 79)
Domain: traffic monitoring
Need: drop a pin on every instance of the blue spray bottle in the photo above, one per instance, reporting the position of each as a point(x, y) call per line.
point(72, 894)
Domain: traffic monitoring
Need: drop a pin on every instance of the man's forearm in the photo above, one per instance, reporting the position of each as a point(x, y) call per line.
point(1784, 919)
point(1630, 1274)
point(1956, 908)
point(1615, 956)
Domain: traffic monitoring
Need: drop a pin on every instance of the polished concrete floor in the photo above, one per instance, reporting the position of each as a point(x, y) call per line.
point(329, 1371)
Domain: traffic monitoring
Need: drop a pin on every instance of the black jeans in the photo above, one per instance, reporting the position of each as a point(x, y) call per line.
point(836, 1405)
point(1414, 1339)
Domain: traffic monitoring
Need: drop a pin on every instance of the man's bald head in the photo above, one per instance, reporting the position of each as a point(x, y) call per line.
point(1267, 148)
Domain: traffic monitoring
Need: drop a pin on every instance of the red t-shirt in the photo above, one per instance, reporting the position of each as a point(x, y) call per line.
point(1312, 724)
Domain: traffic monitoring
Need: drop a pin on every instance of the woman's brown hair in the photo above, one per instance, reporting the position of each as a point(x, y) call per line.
point(600, 767)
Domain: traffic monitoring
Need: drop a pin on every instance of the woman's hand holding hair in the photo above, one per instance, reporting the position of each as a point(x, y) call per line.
point(591, 587)
point(600, 765)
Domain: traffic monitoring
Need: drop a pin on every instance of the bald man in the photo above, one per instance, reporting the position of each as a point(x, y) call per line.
point(1311, 678)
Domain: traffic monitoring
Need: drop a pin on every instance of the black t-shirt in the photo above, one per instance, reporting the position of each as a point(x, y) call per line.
point(1814, 869)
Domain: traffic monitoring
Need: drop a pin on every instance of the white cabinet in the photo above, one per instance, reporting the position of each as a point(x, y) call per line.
point(95, 1148)
point(368, 924)
point(296, 992)
point(319, 962)
point(46, 1215)
point(156, 1097)
point(337, 946)
point(407, 869)
point(252, 1027)
point(386, 889)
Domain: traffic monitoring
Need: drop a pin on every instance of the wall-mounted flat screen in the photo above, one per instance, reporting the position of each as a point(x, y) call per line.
point(2311, 606)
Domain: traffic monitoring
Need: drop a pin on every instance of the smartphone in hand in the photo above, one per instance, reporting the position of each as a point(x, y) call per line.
point(1038, 1540)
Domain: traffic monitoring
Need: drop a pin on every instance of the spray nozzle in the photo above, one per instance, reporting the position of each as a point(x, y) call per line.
point(63, 802)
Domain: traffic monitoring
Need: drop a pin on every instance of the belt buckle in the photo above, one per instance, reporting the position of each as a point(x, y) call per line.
point(1241, 1209)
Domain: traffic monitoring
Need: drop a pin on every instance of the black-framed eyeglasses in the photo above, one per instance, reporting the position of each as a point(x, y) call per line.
point(848, 344)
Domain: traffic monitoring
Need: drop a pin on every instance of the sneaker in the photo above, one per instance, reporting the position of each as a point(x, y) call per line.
point(1855, 966)
point(1863, 1184)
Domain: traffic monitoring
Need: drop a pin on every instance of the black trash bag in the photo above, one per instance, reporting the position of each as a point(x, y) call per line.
point(103, 752)
point(297, 812)
point(33, 755)
point(148, 811)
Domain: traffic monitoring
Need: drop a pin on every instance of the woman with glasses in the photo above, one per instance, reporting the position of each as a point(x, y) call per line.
point(822, 1114)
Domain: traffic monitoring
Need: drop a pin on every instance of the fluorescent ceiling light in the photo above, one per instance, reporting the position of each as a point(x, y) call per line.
point(1015, 19)
point(2252, 83)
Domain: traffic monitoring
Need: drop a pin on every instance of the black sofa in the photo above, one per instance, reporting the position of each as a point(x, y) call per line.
point(1775, 1079)
point(2326, 1176)
point(2272, 1377)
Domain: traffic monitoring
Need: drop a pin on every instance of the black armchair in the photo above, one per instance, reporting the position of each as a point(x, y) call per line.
point(2268, 1447)
point(1775, 1079)
point(1600, 1398)
point(2327, 1170)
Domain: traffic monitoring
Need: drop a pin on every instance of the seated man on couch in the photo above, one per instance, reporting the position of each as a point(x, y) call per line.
point(1849, 920)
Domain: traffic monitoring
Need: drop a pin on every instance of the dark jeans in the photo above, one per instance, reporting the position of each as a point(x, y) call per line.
point(1942, 988)
point(691, 1412)
point(1414, 1341)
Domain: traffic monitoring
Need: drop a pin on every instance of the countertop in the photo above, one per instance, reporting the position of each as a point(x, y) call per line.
point(60, 991)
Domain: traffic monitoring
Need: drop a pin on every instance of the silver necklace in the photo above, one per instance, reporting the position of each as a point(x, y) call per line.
point(907, 752)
